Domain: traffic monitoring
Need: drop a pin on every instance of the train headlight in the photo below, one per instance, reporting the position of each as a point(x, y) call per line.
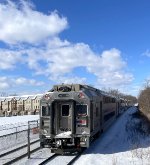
point(83, 139)
point(47, 96)
point(81, 95)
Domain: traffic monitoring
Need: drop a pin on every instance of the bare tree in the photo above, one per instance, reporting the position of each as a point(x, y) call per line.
point(13, 94)
point(117, 93)
point(144, 99)
point(3, 94)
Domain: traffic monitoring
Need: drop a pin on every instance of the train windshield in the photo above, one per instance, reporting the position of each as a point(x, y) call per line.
point(45, 110)
point(81, 110)
point(65, 110)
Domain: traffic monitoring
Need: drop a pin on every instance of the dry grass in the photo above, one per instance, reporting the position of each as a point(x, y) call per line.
point(138, 130)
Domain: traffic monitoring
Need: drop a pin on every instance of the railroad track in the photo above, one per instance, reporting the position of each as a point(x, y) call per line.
point(16, 149)
point(48, 160)
point(8, 158)
point(75, 158)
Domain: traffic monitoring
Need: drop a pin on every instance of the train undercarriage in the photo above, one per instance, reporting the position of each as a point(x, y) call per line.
point(64, 145)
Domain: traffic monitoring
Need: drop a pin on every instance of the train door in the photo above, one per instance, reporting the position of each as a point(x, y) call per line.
point(64, 116)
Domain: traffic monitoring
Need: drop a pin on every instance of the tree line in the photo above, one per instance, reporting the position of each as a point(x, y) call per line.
point(144, 99)
point(117, 93)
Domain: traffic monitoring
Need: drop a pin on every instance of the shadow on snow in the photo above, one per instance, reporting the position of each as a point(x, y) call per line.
point(130, 131)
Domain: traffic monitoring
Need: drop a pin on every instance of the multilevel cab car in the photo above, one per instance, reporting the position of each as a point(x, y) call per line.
point(73, 115)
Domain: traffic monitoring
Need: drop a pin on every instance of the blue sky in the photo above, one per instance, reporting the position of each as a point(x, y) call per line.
point(102, 43)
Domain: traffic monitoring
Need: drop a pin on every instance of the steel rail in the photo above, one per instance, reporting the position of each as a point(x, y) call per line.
point(49, 159)
point(76, 157)
point(16, 149)
point(20, 157)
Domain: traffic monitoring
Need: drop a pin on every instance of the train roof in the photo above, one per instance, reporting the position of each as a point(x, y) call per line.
point(78, 87)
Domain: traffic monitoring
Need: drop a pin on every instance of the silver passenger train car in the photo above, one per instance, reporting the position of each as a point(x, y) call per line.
point(72, 115)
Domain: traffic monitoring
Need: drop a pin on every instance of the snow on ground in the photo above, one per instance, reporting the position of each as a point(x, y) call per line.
point(124, 143)
point(17, 119)
point(36, 158)
point(16, 154)
point(41, 155)
point(15, 123)
point(10, 127)
point(64, 134)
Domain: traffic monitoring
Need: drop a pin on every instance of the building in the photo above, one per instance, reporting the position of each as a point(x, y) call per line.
point(20, 105)
point(7, 106)
point(1, 106)
point(13, 106)
point(36, 104)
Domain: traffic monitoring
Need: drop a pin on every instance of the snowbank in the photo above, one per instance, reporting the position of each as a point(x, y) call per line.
point(15, 123)
point(120, 145)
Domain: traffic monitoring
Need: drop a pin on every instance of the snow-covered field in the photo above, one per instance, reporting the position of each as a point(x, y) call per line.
point(9, 122)
point(15, 123)
point(17, 119)
point(10, 127)
point(126, 142)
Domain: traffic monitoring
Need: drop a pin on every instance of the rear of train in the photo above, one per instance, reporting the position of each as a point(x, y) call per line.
point(65, 119)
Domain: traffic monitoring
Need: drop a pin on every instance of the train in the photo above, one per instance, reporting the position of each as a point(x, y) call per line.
point(72, 115)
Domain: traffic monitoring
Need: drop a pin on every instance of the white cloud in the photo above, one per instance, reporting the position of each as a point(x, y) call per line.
point(62, 57)
point(25, 81)
point(146, 53)
point(9, 58)
point(69, 79)
point(9, 82)
point(3, 83)
point(112, 58)
point(19, 22)
point(58, 58)
point(108, 67)
point(54, 58)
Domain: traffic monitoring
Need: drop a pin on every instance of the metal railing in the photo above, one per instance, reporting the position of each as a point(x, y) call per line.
point(35, 130)
point(11, 136)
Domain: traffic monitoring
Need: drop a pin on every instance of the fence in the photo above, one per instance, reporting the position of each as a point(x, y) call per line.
point(11, 135)
point(32, 129)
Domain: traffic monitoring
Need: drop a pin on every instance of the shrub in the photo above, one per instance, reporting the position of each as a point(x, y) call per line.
point(144, 101)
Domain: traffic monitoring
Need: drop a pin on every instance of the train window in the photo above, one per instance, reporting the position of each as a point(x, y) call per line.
point(65, 110)
point(45, 111)
point(109, 115)
point(114, 100)
point(81, 110)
